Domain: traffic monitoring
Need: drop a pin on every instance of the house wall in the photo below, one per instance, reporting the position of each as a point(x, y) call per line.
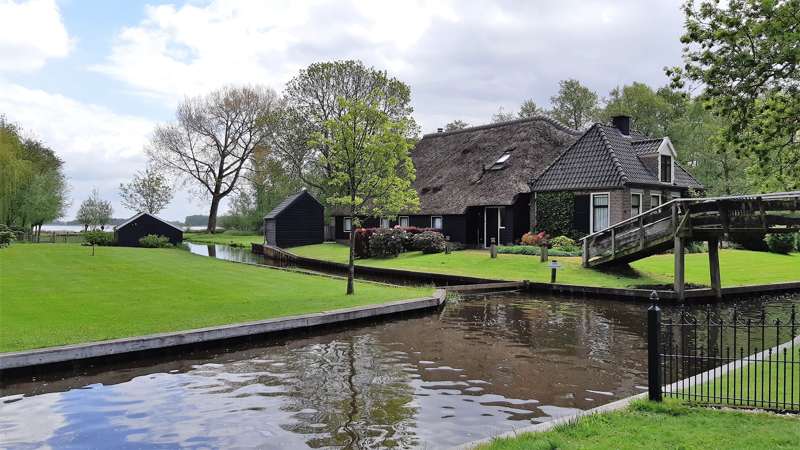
point(453, 225)
point(129, 235)
point(301, 223)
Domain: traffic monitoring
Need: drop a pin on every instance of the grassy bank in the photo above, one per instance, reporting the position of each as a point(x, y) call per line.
point(59, 294)
point(739, 267)
point(666, 425)
point(227, 238)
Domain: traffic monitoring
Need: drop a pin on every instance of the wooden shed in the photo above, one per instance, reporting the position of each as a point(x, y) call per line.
point(128, 233)
point(298, 220)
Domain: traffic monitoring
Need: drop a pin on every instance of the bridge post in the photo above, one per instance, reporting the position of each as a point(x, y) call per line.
point(680, 266)
point(713, 264)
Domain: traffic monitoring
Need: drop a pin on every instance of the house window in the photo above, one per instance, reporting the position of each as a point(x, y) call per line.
point(600, 212)
point(665, 168)
point(636, 204)
point(501, 161)
point(403, 221)
point(384, 222)
point(655, 200)
point(436, 222)
point(348, 224)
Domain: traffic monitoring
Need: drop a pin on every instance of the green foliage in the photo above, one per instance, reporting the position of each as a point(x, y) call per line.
point(456, 125)
point(696, 247)
point(94, 212)
point(782, 243)
point(575, 105)
point(154, 241)
point(528, 109)
point(97, 237)
point(744, 53)
point(562, 242)
point(429, 242)
point(554, 213)
point(532, 250)
point(6, 236)
point(386, 242)
point(148, 191)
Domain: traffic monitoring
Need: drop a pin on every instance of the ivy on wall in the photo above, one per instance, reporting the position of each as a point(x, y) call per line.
point(554, 214)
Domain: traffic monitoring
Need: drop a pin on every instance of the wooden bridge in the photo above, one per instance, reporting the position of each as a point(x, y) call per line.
point(675, 223)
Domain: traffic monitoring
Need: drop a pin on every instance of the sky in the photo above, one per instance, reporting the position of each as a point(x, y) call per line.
point(92, 78)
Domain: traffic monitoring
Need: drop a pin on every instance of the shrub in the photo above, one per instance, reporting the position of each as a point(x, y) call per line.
point(154, 241)
point(555, 211)
point(780, 242)
point(531, 238)
point(100, 238)
point(429, 242)
point(408, 243)
point(386, 242)
point(531, 250)
point(562, 242)
point(696, 247)
point(6, 236)
point(361, 244)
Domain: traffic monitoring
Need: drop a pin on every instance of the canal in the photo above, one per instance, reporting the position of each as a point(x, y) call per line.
point(482, 365)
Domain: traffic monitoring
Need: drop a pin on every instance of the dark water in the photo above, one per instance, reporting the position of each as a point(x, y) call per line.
point(481, 366)
point(238, 254)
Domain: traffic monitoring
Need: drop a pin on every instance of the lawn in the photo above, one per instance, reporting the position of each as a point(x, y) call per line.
point(670, 424)
point(739, 267)
point(228, 238)
point(55, 294)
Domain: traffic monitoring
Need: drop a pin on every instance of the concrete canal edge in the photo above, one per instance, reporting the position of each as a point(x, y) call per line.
point(677, 386)
point(77, 352)
point(287, 257)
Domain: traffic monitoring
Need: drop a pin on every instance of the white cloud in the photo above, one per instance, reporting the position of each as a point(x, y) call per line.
point(30, 34)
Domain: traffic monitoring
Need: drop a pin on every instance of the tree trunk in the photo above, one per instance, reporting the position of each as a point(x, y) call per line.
point(212, 215)
point(351, 267)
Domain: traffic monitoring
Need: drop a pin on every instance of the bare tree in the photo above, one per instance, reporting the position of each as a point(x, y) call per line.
point(213, 138)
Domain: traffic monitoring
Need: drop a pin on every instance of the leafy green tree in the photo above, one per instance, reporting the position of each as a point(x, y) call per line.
point(745, 54)
point(94, 212)
point(651, 111)
point(502, 115)
point(370, 163)
point(456, 125)
point(575, 105)
point(528, 109)
point(148, 191)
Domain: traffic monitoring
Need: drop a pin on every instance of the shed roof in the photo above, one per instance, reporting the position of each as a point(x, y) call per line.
point(286, 203)
point(605, 158)
point(485, 165)
point(132, 219)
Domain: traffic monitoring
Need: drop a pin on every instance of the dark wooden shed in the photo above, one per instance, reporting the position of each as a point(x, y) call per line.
point(298, 220)
point(128, 233)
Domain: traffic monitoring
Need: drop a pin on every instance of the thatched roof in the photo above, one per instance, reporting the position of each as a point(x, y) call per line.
point(459, 169)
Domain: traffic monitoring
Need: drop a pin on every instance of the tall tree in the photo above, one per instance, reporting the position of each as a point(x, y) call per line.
point(149, 191)
point(652, 111)
point(745, 54)
point(502, 115)
point(313, 100)
point(456, 125)
point(528, 109)
point(575, 105)
point(213, 139)
point(370, 163)
point(94, 212)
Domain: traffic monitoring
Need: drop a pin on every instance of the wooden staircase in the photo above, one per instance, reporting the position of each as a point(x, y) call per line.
point(673, 224)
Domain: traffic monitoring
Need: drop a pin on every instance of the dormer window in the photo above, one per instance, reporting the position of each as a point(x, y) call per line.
point(665, 169)
point(501, 161)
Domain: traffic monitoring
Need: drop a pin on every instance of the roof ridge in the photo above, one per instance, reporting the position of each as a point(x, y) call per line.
point(560, 126)
point(559, 157)
point(614, 157)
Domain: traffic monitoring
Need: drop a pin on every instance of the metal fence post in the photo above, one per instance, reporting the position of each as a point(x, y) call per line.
point(653, 347)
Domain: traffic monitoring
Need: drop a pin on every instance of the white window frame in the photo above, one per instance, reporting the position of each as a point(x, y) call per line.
point(441, 220)
point(385, 222)
point(345, 221)
point(666, 149)
point(591, 210)
point(641, 199)
point(400, 221)
point(659, 200)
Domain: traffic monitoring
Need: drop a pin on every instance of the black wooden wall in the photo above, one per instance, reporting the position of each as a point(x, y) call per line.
point(129, 235)
point(300, 223)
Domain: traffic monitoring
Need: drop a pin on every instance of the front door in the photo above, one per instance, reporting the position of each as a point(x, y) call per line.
point(491, 226)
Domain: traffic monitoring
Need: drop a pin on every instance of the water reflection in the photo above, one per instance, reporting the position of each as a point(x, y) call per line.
point(227, 252)
point(481, 366)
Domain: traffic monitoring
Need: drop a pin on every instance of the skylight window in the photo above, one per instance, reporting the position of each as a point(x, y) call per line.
point(503, 158)
point(501, 161)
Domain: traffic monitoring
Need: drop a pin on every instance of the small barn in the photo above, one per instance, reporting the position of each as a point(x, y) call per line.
point(128, 233)
point(298, 220)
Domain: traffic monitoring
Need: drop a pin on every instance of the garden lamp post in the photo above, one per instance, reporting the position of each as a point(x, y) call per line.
point(554, 266)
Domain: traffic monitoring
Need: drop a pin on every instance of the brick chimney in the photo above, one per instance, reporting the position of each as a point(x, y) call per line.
point(622, 123)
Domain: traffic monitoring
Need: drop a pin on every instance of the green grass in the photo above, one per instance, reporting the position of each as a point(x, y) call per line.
point(228, 238)
point(667, 425)
point(738, 267)
point(747, 386)
point(59, 294)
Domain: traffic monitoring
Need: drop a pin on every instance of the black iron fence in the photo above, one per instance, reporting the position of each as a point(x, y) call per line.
point(725, 359)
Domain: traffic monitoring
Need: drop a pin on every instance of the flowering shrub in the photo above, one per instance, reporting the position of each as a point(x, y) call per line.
point(429, 242)
point(408, 243)
point(535, 239)
point(386, 242)
point(361, 245)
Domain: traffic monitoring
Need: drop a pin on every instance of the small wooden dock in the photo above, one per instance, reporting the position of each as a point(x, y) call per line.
point(680, 221)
